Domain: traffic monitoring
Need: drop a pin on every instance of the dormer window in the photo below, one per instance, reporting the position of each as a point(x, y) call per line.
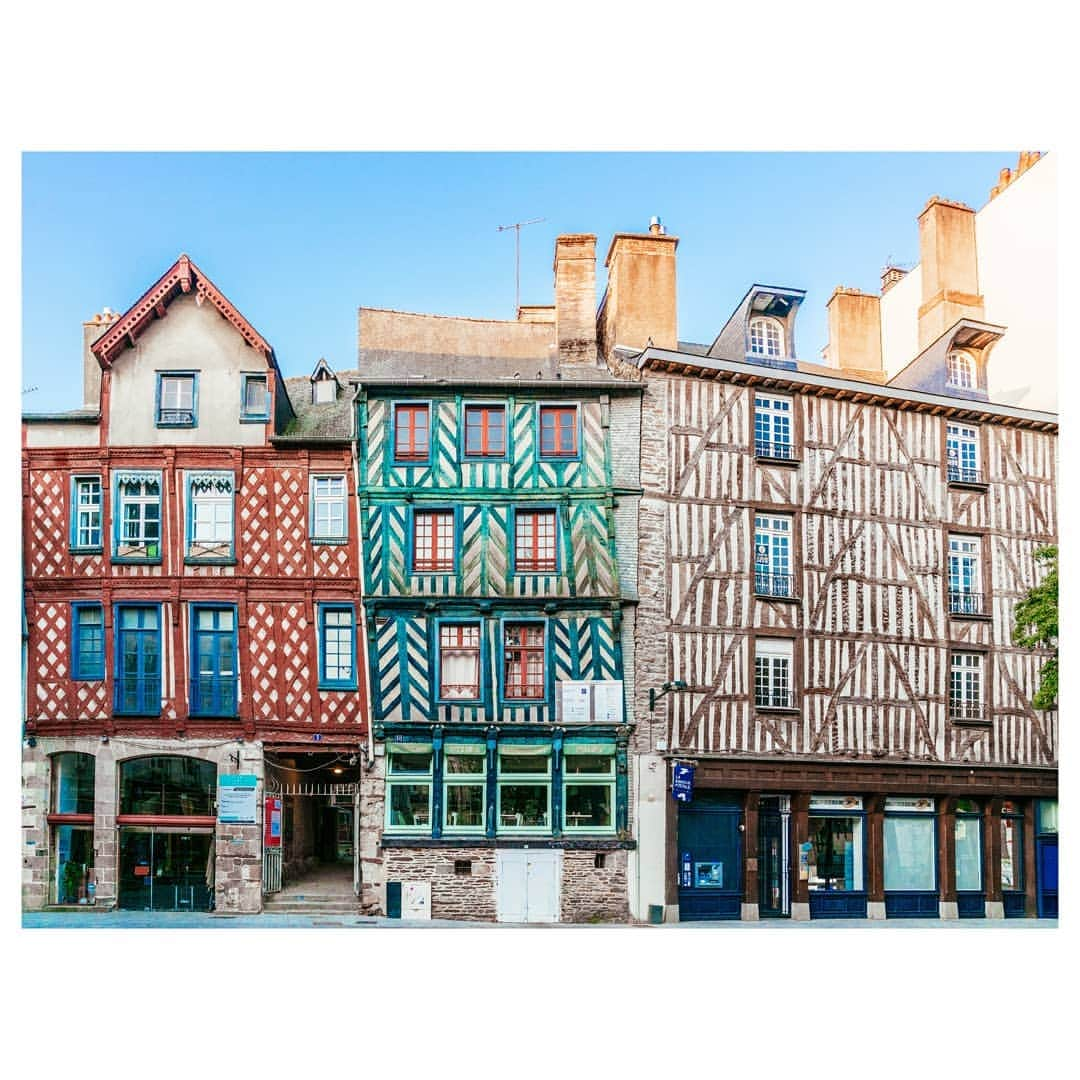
point(960, 368)
point(323, 392)
point(766, 337)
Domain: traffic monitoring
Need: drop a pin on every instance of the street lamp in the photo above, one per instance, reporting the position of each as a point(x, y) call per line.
point(655, 695)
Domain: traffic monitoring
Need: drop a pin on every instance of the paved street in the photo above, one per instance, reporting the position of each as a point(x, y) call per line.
point(141, 920)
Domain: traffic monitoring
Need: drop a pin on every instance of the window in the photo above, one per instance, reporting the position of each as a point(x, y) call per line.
point(962, 454)
point(213, 661)
point(328, 509)
point(86, 513)
point(408, 787)
point(836, 847)
point(524, 789)
point(910, 848)
point(433, 542)
point(465, 787)
point(210, 516)
point(412, 437)
point(254, 398)
point(960, 370)
point(558, 431)
point(772, 428)
point(772, 556)
point(138, 516)
point(138, 660)
point(72, 783)
point(766, 337)
point(1012, 840)
point(88, 641)
point(177, 397)
point(337, 647)
point(967, 832)
point(965, 575)
point(324, 391)
point(534, 542)
point(588, 787)
point(168, 787)
point(772, 674)
point(459, 661)
point(965, 686)
point(485, 430)
point(524, 675)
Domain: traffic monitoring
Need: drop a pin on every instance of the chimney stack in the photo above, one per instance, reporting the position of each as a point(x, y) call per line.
point(950, 278)
point(92, 330)
point(639, 304)
point(854, 331)
point(890, 276)
point(575, 298)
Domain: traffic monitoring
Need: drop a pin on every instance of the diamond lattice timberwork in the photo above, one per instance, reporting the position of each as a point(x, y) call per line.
point(48, 529)
point(290, 503)
point(51, 662)
point(262, 657)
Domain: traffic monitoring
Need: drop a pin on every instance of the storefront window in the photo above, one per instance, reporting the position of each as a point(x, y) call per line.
point(589, 786)
point(73, 783)
point(968, 832)
point(1048, 816)
point(836, 851)
point(524, 788)
point(1012, 833)
point(166, 870)
point(73, 863)
point(408, 796)
point(910, 848)
point(168, 786)
point(465, 787)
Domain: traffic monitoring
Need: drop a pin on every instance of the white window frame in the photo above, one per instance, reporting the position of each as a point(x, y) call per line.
point(86, 508)
point(966, 686)
point(328, 491)
point(965, 571)
point(456, 780)
point(211, 515)
point(963, 464)
point(772, 554)
point(774, 425)
point(960, 370)
point(774, 672)
point(766, 336)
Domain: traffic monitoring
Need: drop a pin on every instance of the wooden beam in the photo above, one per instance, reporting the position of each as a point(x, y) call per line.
point(160, 310)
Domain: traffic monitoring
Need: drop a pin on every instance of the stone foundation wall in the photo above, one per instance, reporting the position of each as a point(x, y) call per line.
point(591, 893)
point(453, 896)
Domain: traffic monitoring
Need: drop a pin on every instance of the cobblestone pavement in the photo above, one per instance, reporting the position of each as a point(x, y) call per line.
point(145, 920)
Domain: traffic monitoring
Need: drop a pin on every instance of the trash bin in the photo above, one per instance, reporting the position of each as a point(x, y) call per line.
point(656, 914)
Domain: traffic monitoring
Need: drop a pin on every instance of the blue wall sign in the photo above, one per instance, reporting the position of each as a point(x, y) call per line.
point(682, 783)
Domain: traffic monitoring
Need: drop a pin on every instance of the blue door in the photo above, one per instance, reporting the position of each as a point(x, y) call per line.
point(1047, 866)
point(710, 858)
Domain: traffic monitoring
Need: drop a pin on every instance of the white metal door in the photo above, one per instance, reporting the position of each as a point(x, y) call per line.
point(527, 886)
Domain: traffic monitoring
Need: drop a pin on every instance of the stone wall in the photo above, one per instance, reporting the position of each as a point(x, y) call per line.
point(453, 895)
point(591, 893)
point(372, 813)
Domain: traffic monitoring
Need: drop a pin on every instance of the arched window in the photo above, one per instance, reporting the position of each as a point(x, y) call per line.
point(167, 786)
point(766, 337)
point(961, 370)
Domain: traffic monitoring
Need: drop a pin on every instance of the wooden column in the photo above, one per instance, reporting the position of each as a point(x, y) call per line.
point(947, 853)
point(751, 802)
point(1031, 902)
point(875, 850)
point(800, 833)
point(991, 864)
point(671, 846)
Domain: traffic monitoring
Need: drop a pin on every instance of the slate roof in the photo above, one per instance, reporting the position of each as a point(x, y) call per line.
point(332, 420)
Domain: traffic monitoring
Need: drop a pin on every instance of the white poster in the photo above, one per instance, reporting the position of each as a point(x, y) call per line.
point(575, 702)
point(608, 695)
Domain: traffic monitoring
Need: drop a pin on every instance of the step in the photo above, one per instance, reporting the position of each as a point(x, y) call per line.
point(311, 909)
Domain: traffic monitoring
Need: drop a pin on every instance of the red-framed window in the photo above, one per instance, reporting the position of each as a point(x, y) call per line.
point(534, 542)
point(459, 661)
point(485, 430)
point(523, 656)
point(558, 431)
point(433, 541)
point(412, 432)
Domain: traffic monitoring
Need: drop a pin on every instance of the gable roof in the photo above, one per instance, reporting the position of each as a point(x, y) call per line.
point(180, 278)
point(323, 368)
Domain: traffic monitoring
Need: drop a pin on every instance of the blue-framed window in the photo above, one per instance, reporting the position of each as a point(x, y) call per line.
point(85, 513)
point(559, 432)
point(329, 520)
point(962, 454)
point(254, 397)
point(836, 844)
point(137, 516)
point(177, 403)
point(524, 788)
point(524, 665)
point(459, 662)
point(214, 671)
point(588, 787)
point(137, 662)
point(87, 640)
point(536, 540)
point(464, 779)
point(409, 782)
point(772, 427)
point(412, 432)
point(209, 516)
point(484, 431)
point(337, 647)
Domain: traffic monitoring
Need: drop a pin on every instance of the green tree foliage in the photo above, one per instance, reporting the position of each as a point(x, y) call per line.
point(1037, 626)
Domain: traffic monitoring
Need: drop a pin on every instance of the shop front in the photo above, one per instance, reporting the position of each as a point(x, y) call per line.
point(1046, 860)
point(1012, 859)
point(968, 854)
point(710, 857)
point(71, 825)
point(910, 858)
point(833, 857)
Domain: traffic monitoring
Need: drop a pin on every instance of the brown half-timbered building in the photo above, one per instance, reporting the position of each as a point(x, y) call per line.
point(191, 585)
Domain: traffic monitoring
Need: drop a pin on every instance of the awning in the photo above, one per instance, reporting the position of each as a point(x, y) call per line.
point(409, 747)
point(474, 749)
point(589, 748)
point(525, 749)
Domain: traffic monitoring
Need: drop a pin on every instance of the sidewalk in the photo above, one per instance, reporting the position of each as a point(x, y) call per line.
point(145, 920)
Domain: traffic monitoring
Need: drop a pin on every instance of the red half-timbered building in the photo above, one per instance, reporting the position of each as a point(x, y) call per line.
point(191, 573)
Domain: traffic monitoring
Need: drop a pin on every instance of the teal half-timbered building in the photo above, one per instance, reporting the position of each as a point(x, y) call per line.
point(489, 511)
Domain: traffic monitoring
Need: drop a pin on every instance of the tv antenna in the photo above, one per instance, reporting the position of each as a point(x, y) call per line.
point(517, 227)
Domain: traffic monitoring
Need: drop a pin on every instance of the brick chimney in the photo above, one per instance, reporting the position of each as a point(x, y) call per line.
point(854, 331)
point(950, 278)
point(92, 330)
point(575, 298)
point(890, 276)
point(639, 304)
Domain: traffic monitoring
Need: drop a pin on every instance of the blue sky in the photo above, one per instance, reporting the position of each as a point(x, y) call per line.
point(299, 241)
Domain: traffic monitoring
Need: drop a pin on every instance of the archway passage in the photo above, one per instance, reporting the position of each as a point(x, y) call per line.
point(319, 866)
